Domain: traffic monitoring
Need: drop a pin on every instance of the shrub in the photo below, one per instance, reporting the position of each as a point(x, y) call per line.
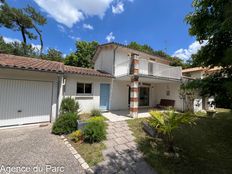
point(97, 118)
point(96, 112)
point(76, 136)
point(166, 122)
point(65, 124)
point(69, 105)
point(94, 131)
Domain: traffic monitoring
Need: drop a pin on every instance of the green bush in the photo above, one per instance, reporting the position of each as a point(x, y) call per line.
point(65, 124)
point(96, 112)
point(76, 136)
point(96, 118)
point(94, 131)
point(69, 105)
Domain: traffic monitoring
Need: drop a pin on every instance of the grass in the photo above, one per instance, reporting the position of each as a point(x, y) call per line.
point(203, 148)
point(92, 153)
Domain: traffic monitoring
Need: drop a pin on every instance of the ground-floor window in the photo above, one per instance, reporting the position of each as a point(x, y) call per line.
point(84, 88)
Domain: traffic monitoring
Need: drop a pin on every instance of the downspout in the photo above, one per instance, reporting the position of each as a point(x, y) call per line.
point(59, 88)
point(114, 60)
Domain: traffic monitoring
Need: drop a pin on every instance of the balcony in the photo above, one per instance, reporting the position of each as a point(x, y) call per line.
point(146, 68)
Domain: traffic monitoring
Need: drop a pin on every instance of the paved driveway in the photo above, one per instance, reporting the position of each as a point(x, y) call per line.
point(37, 149)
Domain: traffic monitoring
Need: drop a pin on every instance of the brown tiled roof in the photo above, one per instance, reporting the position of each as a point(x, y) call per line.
point(19, 62)
point(86, 71)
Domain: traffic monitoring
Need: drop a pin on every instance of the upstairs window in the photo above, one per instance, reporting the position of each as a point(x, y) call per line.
point(84, 88)
point(150, 68)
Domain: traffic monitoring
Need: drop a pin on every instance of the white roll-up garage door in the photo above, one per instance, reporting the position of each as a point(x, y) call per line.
point(24, 101)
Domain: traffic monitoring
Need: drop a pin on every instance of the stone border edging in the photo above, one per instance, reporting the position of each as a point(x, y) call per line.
point(77, 156)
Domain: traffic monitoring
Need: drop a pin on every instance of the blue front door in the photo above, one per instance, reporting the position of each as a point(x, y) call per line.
point(104, 96)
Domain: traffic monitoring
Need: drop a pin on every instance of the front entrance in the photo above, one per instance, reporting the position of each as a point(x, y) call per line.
point(144, 96)
point(104, 96)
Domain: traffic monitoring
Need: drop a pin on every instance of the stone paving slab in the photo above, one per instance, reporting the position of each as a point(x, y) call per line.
point(121, 154)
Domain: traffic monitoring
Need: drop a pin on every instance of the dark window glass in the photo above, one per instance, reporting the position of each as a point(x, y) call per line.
point(80, 88)
point(88, 88)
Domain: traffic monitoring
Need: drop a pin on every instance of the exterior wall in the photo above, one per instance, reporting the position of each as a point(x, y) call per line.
point(195, 74)
point(160, 92)
point(86, 102)
point(122, 63)
point(35, 76)
point(143, 66)
point(105, 60)
point(119, 99)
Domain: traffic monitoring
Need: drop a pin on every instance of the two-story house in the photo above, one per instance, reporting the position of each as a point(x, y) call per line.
point(31, 90)
point(140, 80)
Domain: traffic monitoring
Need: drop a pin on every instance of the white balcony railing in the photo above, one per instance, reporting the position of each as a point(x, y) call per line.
point(158, 70)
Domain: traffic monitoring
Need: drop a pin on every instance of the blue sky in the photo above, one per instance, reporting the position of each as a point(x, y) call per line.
point(158, 23)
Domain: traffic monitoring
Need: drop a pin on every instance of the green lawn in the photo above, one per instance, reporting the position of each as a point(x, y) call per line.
point(203, 148)
point(92, 153)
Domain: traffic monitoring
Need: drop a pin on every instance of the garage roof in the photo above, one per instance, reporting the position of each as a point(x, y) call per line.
point(26, 63)
point(19, 62)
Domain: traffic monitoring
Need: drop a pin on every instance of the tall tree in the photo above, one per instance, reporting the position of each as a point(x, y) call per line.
point(212, 21)
point(85, 52)
point(37, 19)
point(23, 20)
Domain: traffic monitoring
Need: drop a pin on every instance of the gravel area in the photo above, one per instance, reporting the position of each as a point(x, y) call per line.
point(36, 149)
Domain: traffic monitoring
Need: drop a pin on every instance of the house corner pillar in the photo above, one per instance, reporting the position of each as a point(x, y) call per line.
point(134, 101)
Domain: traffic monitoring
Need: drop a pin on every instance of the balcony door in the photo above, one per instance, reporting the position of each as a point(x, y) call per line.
point(144, 96)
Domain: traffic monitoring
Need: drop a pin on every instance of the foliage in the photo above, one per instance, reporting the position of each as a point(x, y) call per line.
point(96, 112)
point(71, 60)
point(187, 94)
point(94, 131)
point(65, 124)
point(85, 52)
point(76, 136)
point(216, 85)
point(53, 55)
point(166, 122)
point(211, 21)
point(22, 20)
point(96, 118)
point(203, 148)
point(17, 48)
point(69, 105)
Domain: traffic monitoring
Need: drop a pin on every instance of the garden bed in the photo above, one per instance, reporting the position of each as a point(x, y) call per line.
point(202, 148)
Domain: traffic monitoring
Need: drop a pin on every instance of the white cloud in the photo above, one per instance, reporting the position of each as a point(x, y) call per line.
point(193, 48)
point(88, 26)
point(61, 28)
point(74, 37)
point(118, 8)
point(110, 37)
point(10, 40)
point(69, 12)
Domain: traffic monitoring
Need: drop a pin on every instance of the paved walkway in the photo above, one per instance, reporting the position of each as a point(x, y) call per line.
point(122, 115)
point(121, 154)
point(36, 146)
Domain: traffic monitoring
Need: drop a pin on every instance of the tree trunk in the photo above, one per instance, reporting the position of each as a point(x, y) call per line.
point(24, 40)
point(41, 40)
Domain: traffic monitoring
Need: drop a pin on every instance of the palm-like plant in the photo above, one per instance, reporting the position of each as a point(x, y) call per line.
point(166, 122)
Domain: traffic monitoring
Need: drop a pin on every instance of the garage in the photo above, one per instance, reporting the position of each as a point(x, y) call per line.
point(24, 101)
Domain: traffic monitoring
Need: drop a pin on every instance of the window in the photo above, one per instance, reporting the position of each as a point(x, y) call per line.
point(84, 88)
point(150, 68)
